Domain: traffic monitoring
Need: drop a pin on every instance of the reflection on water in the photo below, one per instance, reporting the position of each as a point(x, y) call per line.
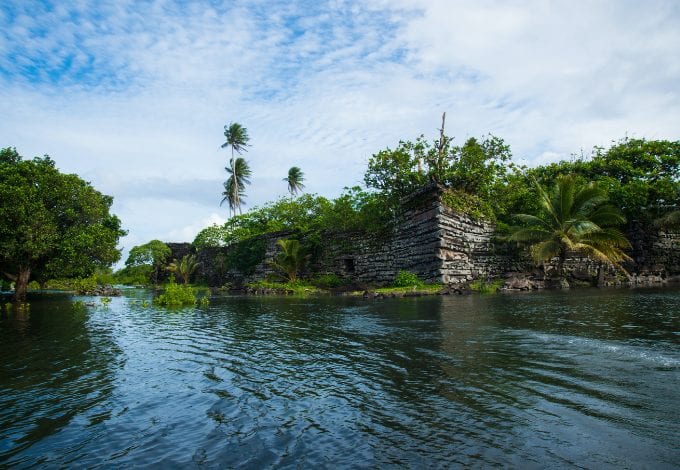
point(555, 379)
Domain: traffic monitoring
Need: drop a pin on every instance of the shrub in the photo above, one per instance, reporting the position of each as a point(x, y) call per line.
point(328, 280)
point(176, 295)
point(407, 279)
point(486, 287)
point(134, 275)
point(469, 204)
point(84, 286)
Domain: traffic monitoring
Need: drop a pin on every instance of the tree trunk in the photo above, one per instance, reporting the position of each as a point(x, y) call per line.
point(21, 284)
point(560, 264)
point(600, 275)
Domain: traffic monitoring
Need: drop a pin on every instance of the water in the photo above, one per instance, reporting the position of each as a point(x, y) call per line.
point(588, 378)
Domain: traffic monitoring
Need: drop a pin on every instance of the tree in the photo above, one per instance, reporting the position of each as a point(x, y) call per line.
point(184, 268)
point(234, 187)
point(641, 176)
point(290, 260)
point(237, 138)
point(573, 218)
point(51, 224)
point(295, 178)
point(478, 168)
point(154, 253)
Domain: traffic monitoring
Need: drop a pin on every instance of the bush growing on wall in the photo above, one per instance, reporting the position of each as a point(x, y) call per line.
point(407, 279)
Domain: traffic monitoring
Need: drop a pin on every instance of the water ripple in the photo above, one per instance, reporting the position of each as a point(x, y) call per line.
point(520, 381)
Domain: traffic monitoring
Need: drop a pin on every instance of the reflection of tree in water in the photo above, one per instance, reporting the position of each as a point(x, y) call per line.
point(54, 368)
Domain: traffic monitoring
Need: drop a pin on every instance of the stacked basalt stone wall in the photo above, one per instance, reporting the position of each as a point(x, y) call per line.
point(441, 245)
point(376, 259)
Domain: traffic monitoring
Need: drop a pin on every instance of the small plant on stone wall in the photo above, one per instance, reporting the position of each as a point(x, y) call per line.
point(407, 279)
point(290, 260)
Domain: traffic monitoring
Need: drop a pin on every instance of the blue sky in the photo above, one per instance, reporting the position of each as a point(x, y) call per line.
point(134, 95)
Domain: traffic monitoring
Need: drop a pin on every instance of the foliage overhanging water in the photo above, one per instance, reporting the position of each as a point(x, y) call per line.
point(587, 378)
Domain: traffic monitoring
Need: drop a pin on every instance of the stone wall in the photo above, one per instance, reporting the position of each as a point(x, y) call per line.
point(439, 245)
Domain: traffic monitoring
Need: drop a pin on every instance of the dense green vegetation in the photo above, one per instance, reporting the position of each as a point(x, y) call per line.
point(573, 218)
point(641, 177)
point(474, 173)
point(307, 215)
point(637, 176)
point(147, 261)
point(179, 295)
point(52, 225)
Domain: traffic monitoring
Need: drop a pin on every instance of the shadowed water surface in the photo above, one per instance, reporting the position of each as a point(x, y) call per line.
point(585, 378)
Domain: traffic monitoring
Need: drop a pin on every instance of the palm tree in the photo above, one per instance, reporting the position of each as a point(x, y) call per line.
point(573, 218)
point(234, 187)
point(185, 267)
point(290, 260)
point(237, 138)
point(295, 179)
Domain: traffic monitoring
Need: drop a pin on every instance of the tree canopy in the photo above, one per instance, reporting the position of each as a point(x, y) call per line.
point(477, 168)
point(153, 254)
point(641, 177)
point(51, 224)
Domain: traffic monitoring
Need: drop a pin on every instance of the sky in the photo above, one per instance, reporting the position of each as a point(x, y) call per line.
point(134, 95)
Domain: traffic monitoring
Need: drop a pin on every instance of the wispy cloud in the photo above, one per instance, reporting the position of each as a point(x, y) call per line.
point(134, 95)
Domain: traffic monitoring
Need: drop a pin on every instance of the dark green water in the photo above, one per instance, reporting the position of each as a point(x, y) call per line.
point(587, 378)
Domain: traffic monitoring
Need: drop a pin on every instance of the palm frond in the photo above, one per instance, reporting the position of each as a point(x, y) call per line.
point(546, 250)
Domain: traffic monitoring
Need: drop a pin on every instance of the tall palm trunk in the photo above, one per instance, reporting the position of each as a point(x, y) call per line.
point(234, 187)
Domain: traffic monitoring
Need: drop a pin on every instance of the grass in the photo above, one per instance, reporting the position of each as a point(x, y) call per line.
point(423, 288)
point(486, 287)
point(298, 287)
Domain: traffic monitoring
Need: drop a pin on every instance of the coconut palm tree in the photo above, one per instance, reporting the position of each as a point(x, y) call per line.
point(573, 218)
point(237, 138)
point(184, 268)
point(234, 187)
point(295, 178)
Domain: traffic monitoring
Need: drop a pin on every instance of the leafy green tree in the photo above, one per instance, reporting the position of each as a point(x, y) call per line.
point(236, 137)
point(134, 275)
point(184, 268)
point(478, 168)
point(291, 259)
point(52, 225)
point(354, 210)
point(9, 155)
point(396, 173)
point(573, 218)
point(294, 179)
point(234, 187)
point(641, 176)
point(154, 253)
